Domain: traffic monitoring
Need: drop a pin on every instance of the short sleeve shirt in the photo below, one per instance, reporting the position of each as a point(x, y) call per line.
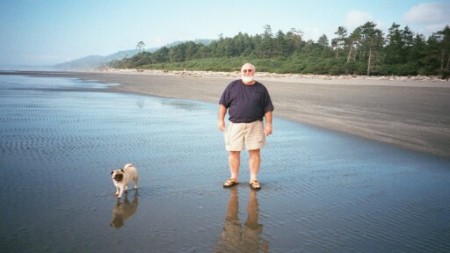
point(246, 103)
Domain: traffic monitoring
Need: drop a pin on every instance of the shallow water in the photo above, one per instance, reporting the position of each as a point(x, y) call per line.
point(322, 191)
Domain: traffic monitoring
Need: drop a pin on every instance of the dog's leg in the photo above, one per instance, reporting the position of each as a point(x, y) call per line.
point(136, 179)
point(120, 192)
point(117, 191)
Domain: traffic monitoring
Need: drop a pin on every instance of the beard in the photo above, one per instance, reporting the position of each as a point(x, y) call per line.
point(247, 79)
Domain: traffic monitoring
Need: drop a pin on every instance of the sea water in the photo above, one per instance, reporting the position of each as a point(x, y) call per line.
point(322, 191)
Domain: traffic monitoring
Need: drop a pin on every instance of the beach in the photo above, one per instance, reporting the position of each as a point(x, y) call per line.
point(61, 135)
point(412, 113)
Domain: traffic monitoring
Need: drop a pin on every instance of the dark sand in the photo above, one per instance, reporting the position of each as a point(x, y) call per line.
point(409, 113)
point(323, 191)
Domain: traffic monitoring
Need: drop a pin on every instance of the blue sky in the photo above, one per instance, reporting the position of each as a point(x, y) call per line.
point(42, 32)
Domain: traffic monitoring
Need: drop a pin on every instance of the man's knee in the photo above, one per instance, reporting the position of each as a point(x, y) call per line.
point(254, 152)
point(235, 153)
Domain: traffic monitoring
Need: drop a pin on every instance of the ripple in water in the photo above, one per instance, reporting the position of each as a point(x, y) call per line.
point(322, 191)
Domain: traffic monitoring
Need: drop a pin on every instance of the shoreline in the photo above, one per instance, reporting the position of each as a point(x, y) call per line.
point(412, 113)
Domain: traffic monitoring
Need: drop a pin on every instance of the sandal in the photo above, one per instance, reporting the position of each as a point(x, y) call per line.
point(254, 184)
point(230, 182)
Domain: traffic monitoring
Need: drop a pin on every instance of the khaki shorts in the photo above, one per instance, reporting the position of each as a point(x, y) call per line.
point(245, 135)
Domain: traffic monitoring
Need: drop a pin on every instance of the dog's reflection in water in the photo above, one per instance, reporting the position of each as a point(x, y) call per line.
point(123, 210)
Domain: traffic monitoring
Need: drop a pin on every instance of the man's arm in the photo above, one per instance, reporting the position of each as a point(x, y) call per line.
point(268, 125)
point(221, 117)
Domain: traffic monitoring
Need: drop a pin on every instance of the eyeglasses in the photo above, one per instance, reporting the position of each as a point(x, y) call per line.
point(247, 70)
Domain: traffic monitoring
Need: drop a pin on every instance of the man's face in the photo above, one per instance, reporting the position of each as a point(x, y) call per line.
point(247, 73)
point(247, 70)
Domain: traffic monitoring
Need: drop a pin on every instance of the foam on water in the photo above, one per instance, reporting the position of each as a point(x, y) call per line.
point(322, 191)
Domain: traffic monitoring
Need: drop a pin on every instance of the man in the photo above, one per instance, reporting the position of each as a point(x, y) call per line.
point(248, 103)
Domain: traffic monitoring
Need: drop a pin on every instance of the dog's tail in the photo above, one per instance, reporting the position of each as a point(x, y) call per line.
point(128, 165)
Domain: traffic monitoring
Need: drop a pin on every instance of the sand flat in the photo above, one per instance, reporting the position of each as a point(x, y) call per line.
point(413, 113)
point(323, 191)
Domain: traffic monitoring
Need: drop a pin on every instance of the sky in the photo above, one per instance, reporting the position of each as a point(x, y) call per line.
point(47, 32)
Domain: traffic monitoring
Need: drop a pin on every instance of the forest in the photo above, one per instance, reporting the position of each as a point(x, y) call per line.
point(364, 51)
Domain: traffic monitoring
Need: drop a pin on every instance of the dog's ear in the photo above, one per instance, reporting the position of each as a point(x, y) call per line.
point(112, 171)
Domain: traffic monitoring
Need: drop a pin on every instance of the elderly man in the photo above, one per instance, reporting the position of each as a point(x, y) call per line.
point(248, 104)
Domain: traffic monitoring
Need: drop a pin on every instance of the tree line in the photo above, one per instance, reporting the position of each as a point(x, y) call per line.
point(363, 51)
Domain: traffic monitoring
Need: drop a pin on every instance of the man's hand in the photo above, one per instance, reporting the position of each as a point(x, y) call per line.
point(221, 117)
point(268, 119)
point(221, 125)
point(268, 129)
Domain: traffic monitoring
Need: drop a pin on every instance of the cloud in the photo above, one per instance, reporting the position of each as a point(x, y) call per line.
point(312, 33)
point(428, 17)
point(356, 18)
point(428, 14)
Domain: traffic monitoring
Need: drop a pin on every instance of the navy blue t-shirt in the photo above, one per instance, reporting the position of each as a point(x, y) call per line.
point(246, 103)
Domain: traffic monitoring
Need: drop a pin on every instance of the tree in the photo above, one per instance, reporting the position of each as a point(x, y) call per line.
point(353, 43)
point(177, 53)
point(161, 55)
point(266, 46)
point(365, 50)
point(293, 40)
point(140, 46)
point(323, 43)
point(339, 42)
point(444, 40)
point(394, 48)
point(281, 48)
point(372, 41)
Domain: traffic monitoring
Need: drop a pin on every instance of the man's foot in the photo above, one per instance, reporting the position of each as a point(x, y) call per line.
point(230, 182)
point(254, 184)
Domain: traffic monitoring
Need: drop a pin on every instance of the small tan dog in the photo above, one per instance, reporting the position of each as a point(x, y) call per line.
point(122, 177)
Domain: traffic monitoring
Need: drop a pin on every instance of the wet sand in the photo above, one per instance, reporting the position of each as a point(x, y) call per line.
point(411, 113)
point(323, 191)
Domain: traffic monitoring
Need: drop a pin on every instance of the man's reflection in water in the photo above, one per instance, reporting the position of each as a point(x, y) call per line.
point(124, 210)
point(237, 237)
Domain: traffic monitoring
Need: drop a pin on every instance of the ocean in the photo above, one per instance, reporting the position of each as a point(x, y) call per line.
point(322, 191)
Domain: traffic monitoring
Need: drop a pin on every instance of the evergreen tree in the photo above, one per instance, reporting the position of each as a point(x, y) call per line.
point(364, 51)
point(339, 43)
point(372, 42)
